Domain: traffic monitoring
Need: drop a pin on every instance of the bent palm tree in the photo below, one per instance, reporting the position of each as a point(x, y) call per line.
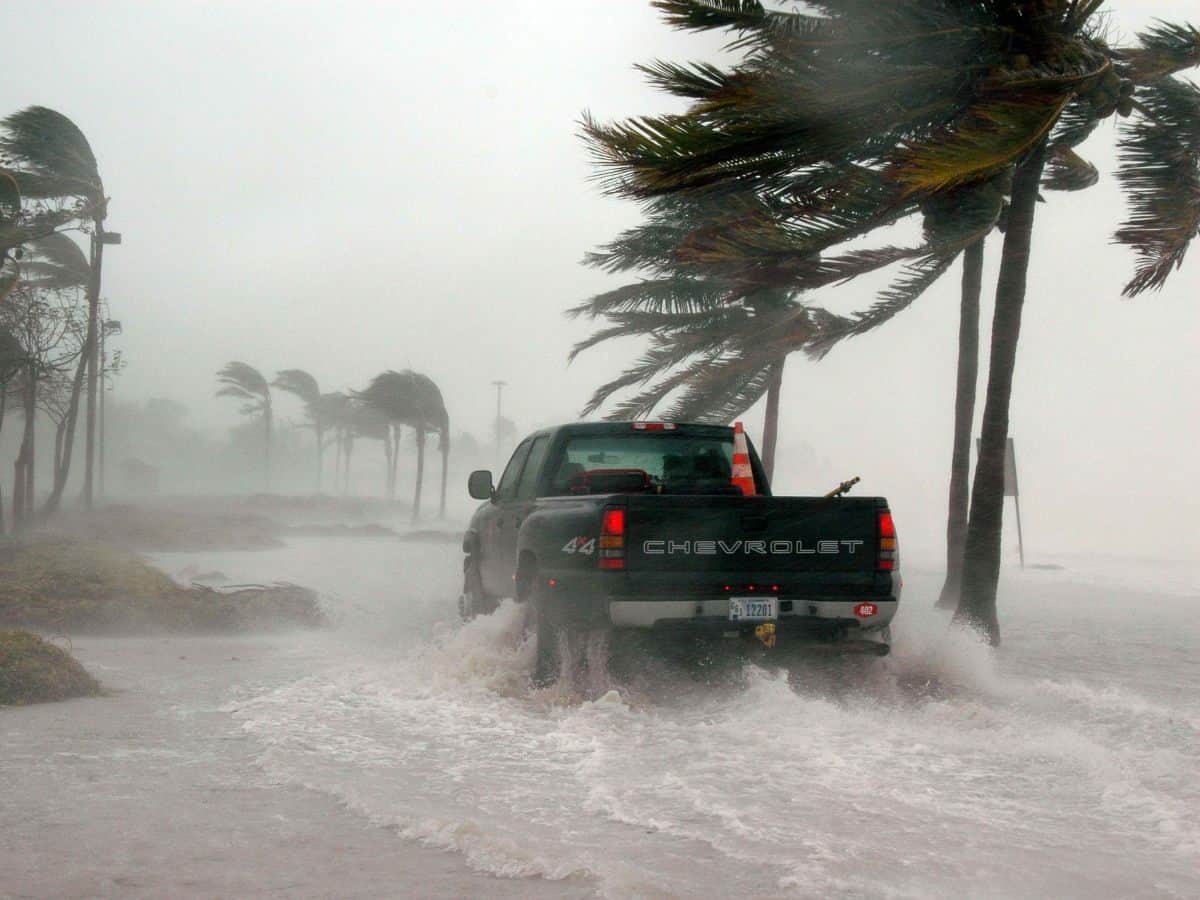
point(702, 307)
point(55, 160)
point(302, 385)
point(931, 99)
point(246, 383)
point(412, 399)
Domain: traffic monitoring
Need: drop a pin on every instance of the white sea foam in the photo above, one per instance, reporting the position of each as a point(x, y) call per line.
point(947, 768)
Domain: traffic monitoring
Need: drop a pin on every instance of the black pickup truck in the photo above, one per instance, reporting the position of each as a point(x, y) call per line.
point(643, 525)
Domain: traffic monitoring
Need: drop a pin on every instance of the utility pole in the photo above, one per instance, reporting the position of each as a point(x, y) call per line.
point(113, 327)
point(99, 239)
point(499, 387)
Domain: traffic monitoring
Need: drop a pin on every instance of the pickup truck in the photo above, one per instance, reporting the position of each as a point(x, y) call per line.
point(667, 527)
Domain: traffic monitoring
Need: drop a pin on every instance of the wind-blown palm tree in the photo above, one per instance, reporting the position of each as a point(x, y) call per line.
point(52, 159)
point(926, 100)
point(246, 383)
point(705, 316)
point(411, 399)
point(302, 385)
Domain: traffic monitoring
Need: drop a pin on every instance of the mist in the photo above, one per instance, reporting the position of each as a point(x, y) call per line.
point(361, 188)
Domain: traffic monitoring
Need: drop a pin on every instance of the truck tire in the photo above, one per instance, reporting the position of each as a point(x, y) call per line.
point(546, 661)
point(474, 601)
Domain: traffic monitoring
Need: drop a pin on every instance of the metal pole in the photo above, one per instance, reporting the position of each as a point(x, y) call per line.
point(1020, 540)
point(103, 363)
point(1010, 464)
point(499, 387)
point(93, 352)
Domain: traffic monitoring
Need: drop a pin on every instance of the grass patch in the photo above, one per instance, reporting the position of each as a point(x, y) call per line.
point(33, 671)
point(56, 583)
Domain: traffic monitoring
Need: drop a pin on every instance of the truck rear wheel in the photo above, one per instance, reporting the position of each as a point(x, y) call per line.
point(546, 662)
point(474, 601)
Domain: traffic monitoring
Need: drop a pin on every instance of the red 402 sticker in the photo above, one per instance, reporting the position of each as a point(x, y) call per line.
point(866, 610)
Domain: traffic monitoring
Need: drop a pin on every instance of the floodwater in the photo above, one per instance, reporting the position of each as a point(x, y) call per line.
point(1066, 764)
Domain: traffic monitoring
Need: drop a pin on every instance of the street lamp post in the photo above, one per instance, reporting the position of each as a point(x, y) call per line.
point(499, 387)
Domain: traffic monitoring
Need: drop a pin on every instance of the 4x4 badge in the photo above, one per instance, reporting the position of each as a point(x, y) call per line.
point(584, 545)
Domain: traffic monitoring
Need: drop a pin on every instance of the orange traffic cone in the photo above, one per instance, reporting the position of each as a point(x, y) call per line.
point(743, 475)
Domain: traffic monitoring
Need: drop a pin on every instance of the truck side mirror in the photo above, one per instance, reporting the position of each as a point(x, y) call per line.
point(479, 485)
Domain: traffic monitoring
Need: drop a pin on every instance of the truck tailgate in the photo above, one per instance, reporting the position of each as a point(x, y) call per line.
point(732, 537)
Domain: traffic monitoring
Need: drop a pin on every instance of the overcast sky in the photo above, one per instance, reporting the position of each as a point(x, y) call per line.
point(353, 187)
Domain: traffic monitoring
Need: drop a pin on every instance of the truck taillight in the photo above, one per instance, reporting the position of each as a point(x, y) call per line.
point(653, 426)
point(889, 550)
point(612, 539)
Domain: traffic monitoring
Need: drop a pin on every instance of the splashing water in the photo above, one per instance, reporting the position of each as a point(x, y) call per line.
point(947, 768)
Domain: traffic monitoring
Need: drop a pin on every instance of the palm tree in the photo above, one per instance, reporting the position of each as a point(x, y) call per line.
point(705, 310)
point(57, 264)
point(55, 160)
point(411, 399)
point(246, 383)
point(929, 99)
point(303, 385)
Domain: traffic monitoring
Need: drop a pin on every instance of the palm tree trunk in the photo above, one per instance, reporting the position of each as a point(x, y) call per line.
point(964, 418)
point(445, 441)
point(395, 460)
point(320, 454)
point(346, 464)
point(62, 469)
point(981, 561)
point(267, 449)
point(416, 511)
point(771, 420)
point(92, 345)
point(3, 409)
point(59, 433)
point(339, 438)
point(27, 445)
point(389, 490)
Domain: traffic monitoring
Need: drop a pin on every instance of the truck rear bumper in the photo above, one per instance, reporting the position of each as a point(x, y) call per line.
point(861, 614)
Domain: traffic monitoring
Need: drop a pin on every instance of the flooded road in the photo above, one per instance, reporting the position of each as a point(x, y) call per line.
point(410, 753)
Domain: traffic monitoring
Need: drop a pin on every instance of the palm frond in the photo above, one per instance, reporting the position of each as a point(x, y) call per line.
point(1166, 48)
point(1159, 168)
point(900, 295)
point(990, 137)
point(299, 383)
point(244, 382)
point(50, 146)
point(55, 262)
point(1068, 171)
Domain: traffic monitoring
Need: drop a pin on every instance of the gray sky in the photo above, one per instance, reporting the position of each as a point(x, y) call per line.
point(354, 187)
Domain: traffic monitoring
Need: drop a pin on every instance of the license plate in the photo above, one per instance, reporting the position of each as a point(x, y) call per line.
point(753, 609)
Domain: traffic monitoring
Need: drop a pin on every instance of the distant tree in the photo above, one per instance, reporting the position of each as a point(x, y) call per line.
point(411, 399)
point(304, 386)
point(244, 382)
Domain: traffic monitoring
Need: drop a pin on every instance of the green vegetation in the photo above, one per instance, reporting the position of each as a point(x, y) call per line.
point(839, 119)
point(57, 583)
point(33, 670)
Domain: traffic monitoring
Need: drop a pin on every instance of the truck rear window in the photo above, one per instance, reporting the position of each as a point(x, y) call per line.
point(657, 461)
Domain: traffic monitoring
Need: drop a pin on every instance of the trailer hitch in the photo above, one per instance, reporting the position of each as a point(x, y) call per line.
point(766, 633)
